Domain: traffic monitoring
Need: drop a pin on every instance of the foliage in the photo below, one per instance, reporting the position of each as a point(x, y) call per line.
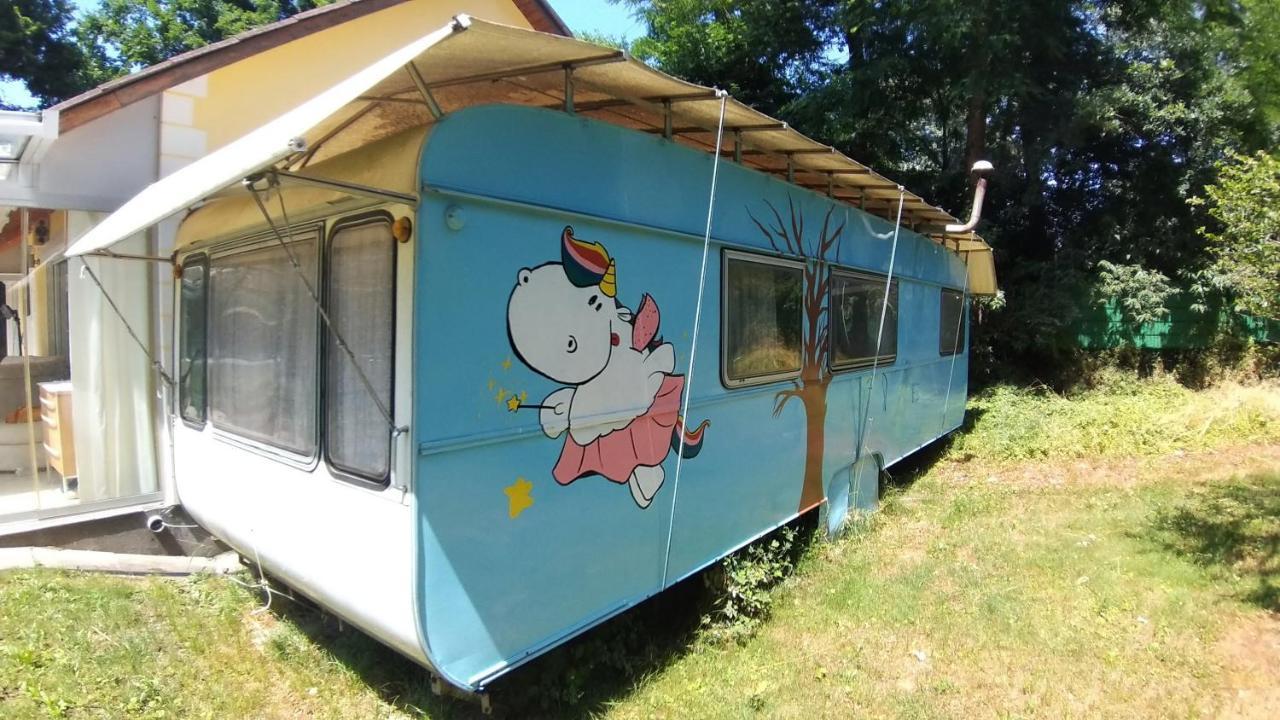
point(58, 55)
point(1138, 292)
point(1244, 204)
point(1121, 416)
point(744, 582)
point(123, 36)
point(1102, 118)
point(38, 46)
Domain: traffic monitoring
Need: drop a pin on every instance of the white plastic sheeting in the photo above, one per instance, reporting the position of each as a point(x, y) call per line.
point(111, 377)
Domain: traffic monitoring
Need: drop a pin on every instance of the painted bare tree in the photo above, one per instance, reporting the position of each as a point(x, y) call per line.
point(788, 237)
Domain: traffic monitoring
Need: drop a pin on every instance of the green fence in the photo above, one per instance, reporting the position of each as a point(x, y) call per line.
point(1103, 326)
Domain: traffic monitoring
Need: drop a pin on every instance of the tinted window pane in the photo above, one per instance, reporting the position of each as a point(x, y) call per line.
point(360, 304)
point(950, 329)
point(262, 346)
point(856, 303)
point(762, 319)
point(191, 341)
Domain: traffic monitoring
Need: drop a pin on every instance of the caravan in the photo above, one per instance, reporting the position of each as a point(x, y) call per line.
point(508, 332)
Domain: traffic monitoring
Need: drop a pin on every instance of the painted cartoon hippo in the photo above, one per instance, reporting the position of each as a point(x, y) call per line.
point(621, 408)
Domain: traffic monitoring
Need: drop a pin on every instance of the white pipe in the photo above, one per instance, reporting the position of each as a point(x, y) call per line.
point(124, 563)
point(980, 168)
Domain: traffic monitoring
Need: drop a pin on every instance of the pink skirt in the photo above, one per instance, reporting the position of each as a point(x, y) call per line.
point(644, 441)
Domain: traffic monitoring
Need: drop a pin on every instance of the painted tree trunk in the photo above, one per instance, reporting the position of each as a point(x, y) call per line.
point(815, 413)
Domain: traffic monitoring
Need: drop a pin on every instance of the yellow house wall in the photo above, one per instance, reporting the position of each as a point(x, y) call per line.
point(203, 114)
point(243, 95)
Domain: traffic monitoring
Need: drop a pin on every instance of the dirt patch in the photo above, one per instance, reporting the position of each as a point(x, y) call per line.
point(1250, 655)
point(1122, 472)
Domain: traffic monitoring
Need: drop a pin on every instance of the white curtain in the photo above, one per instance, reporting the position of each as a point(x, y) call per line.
point(262, 345)
point(361, 297)
point(111, 377)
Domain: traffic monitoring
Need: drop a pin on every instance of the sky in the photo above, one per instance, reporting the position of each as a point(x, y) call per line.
point(597, 16)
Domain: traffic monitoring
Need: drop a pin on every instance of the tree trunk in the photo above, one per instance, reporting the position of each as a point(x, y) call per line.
point(976, 125)
point(815, 416)
point(976, 116)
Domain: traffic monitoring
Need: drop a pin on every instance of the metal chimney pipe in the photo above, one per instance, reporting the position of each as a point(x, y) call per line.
point(981, 169)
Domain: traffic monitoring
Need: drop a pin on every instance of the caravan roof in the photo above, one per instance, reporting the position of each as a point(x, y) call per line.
point(471, 62)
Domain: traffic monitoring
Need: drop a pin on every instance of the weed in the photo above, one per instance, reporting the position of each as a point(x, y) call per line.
point(743, 584)
point(1120, 416)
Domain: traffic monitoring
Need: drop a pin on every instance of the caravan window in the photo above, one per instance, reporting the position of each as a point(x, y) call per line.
point(361, 306)
point(951, 328)
point(191, 341)
point(762, 319)
point(856, 304)
point(263, 344)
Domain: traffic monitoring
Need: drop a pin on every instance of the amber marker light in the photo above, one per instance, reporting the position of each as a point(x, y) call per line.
point(402, 229)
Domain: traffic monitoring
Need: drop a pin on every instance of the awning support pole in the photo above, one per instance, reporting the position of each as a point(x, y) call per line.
point(697, 320)
point(613, 57)
point(884, 311)
point(315, 297)
point(126, 256)
point(791, 168)
point(155, 362)
point(831, 185)
point(955, 348)
point(347, 187)
point(737, 146)
point(568, 89)
point(667, 122)
point(423, 90)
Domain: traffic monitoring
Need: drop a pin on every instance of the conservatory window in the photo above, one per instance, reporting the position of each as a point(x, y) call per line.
point(762, 324)
point(856, 304)
point(361, 306)
point(191, 341)
point(263, 344)
point(951, 329)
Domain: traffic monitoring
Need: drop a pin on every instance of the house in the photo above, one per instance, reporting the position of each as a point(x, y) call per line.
point(64, 168)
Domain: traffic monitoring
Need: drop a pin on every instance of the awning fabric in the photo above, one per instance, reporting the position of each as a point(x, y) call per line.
point(471, 62)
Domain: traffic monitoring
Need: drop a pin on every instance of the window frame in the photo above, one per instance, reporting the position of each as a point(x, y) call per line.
point(877, 361)
point(249, 243)
point(201, 259)
point(728, 256)
point(345, 223)
point(962, 333)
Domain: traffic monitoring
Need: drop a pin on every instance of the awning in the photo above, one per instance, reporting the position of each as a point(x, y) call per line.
point(471, 62)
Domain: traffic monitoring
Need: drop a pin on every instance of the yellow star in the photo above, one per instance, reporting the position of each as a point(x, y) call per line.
point(502, 395)
point(492, 384)
point(518, 497)
point(506, 364)
point(513, 403)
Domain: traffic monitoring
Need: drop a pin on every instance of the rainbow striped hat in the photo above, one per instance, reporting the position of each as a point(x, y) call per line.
point(587, 263)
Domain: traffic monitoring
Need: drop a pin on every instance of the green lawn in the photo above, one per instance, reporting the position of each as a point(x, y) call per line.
point(1036, 577)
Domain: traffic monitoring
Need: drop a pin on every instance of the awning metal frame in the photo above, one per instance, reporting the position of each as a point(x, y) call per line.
point(349, 188)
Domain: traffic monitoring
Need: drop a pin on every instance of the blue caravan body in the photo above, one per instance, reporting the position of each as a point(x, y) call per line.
point(476, 374)
point(517, 551)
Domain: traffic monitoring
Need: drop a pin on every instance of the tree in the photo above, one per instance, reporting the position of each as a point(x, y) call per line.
point(122, 36)
point(1102, 118)
point(1137, 293)
point(58, 56)
point(1244, 203)
point(788, 238)
point(38, 47)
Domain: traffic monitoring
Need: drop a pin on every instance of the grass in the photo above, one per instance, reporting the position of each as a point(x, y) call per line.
point(1054, 569)
point(1120, 418)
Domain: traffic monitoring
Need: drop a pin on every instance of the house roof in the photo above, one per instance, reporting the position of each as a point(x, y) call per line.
point(157, 78)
